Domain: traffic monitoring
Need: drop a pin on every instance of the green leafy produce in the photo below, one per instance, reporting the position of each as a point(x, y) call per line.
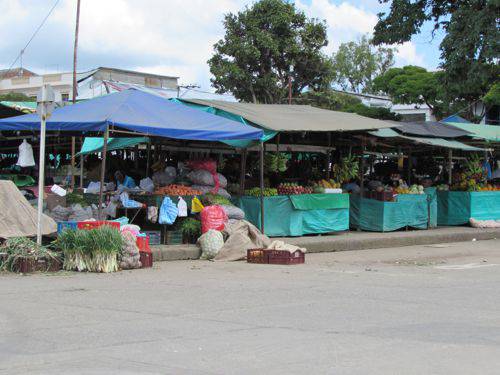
point(210, 199)
point(93, 250)
point(74, 198)
point(267, 192)
point(275, 162)
point(191, 228)
point(23, 248)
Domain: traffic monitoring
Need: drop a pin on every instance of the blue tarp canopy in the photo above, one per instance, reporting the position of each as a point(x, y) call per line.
point(92, 145)
point(140, 112)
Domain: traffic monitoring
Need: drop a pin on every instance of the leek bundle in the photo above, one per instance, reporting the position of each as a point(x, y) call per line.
point(94, 250)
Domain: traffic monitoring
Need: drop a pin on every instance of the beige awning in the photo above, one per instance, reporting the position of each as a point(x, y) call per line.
point(296, 118)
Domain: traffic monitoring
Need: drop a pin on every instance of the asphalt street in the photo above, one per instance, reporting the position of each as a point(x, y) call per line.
point(413, 310)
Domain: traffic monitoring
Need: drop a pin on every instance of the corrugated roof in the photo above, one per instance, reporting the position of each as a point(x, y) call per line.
point(296, 118)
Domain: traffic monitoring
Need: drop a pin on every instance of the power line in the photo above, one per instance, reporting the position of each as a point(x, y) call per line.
point(32, 37)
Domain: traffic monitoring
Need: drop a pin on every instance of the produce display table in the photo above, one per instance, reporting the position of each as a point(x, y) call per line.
point(409, 210)
point(296, 215)
point(457, 207)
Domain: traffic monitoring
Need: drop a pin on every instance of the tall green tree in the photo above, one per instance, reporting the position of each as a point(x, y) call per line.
point(469, 49)
point(413, 85)
point(263, 46)
point(357, 63)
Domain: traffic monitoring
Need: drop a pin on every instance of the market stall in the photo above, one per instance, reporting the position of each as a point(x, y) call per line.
point(297, 215)
point(405, 211)
point(458, 207)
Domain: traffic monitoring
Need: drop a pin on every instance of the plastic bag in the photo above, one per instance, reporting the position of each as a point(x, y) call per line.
point(210, 243)
point(153, 214)
point(182, 208)
point(196, 205)
point(147, 184)
point(129, 203)
point(213, 217)
point(207, 165)
point(168, 212)
point(93, 188)
point(203, 177)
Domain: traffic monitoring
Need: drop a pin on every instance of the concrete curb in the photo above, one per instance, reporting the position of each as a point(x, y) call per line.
point(348, 241)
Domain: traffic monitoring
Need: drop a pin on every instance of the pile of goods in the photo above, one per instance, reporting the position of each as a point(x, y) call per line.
point(205, 178)
point(327, 184)
point(275, 163)
point(346, 170)
point(443, 187)
point(129, 255)
point(16, 251)
point(413, 189)
point(177, 190)
point(94, 250)
point(473, 177)
point(292, 188)
point(267, 192)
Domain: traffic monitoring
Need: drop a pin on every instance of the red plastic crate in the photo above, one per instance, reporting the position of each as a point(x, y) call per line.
point(143, 244)
point(146, 259)
point(285, 257)
point(257, 256)
point(88, 225)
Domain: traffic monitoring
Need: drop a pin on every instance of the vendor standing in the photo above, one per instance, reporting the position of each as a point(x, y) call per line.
point(124, 181)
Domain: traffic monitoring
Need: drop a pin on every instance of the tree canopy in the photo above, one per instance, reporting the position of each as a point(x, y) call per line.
point(356, 64)
point(263, 46)
point(411, 85)
point(469, 49)
point(15, 97)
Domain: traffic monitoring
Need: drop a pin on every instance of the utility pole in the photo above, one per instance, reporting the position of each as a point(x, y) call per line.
point(75, 93)
point(289, 89)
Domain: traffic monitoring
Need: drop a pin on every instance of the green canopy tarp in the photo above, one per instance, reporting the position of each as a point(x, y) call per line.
point(92, 145)
point(438, 142)
point(486, 132)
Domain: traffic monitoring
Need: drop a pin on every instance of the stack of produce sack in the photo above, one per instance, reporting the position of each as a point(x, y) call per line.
point(73, 213)
point(229, 208)
point(205, 178)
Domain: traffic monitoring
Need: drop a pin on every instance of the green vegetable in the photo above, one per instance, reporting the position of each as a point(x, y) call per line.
point(210, 199)
point(23, 248)
point(267, 192)
point(191, 228)
point(93, 250)
point(74, 198)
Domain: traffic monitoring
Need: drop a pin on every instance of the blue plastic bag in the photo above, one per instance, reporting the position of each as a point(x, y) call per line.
point(168, 212)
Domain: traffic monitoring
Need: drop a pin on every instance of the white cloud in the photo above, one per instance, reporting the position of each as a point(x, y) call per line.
point(407, 54)
point(173, 37)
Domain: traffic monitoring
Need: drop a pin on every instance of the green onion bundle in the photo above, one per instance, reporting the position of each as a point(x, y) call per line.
point(94, 250)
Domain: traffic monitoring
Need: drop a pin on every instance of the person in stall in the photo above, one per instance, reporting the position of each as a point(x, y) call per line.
point(124, 181)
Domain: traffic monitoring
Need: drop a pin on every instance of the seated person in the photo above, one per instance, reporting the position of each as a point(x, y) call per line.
point(124, 181)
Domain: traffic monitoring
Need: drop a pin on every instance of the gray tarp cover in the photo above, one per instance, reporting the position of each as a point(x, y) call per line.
point(430, 129)
point(296, 118)
point(18, 218)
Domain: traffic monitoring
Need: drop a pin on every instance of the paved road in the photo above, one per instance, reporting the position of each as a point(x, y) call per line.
point(412, 310)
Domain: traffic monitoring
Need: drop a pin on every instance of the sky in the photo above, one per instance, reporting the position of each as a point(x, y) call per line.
point(170, 37)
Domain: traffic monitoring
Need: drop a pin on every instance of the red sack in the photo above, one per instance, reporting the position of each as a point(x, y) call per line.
point(213, 217)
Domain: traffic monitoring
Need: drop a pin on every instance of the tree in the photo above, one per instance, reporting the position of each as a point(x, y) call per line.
point(469, 50)
point(263, 46)
point(412, 85)
point(356, 64)
point(15, 97)
point(336, 101)
point(492, 98)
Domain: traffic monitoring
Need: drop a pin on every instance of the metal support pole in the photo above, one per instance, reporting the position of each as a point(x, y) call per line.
point(148, 162)
point(73, 151)
point(81, 171)
point(103, 170)
point(243, 170)
point(362, 167)
point(450, 166)
point(409, 166)
point(328, 156)
point(261, 162)
point(41, 175)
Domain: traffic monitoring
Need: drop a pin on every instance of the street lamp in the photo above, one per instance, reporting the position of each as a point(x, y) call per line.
point(45, 104)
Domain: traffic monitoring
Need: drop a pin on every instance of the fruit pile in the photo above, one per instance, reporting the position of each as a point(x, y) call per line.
point(177, 190)
point(413, 189)
point(267, 192)
point(327, 184)
point(290, 188)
